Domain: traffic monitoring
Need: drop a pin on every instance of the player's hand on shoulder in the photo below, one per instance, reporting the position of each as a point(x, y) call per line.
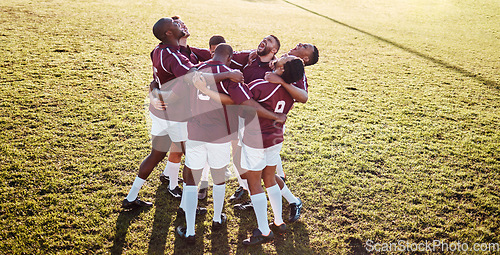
point(252, 56)
point(236, 76)
point(199, 81)
point(273, 78)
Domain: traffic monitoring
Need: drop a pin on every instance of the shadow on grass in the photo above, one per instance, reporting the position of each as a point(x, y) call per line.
point(180, 245)
point(247, 218)
point(122, 225)
point(455, 68)
point(294, 241)
point(166, 207)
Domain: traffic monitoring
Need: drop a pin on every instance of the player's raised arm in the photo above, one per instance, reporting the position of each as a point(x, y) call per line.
point(300, 95)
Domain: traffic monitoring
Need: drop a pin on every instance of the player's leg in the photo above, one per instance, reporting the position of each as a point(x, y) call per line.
point(252, 159)
point(160, 146)
point(295, 203)
point(203, 188)
point(196, 156)
point(272, 155)
point(219, 156)
point(171, 171)
point(243, 186)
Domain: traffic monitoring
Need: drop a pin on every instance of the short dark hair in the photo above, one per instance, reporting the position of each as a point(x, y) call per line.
point(223, 49)
point(175, 17)
point(313, 59)
point(216, 39)
point(294, 71)
point(277, 42)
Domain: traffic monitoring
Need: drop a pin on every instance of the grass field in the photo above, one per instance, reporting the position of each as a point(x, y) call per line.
point(399, 140)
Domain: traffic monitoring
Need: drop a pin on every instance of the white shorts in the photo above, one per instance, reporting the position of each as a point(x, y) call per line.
point(177, 131)
point(257, 159)
point(218, 155)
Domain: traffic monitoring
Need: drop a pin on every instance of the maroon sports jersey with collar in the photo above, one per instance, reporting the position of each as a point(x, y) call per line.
point(211, 121)
point(168, 66)
point(274, 98)
point(240, 59)
point(255, 70)
point(200, 54)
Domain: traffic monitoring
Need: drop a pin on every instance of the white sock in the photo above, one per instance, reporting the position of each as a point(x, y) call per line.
point(183, 198)
point(136, 187)
point(259, 202)
point(287, 194)
point(191, 203)
point(274, 195)
point(218, 194)
point(279, 169)
point(172, 171)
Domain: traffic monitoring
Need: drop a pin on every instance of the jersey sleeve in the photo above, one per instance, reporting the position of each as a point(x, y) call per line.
point(179, 64)
point(238, 92)
point(239, 60)
point(302, 83)
point(202, 54)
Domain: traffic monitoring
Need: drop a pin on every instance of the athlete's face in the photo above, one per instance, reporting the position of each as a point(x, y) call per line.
point(182, 26)
point(303, 51)
point(280, 63)
point(175, 29)
point(267, 45)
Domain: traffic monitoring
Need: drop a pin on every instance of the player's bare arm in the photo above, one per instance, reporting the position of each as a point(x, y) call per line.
point(200, 83)
point(300, 95)
point(264, 113)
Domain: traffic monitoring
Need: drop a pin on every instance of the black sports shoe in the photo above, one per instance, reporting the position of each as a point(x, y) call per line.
point(199, 211)
point(247, 205)
point(237, 194)
point(258, 238)
point(295, 211)
point(217, 225)
point(181, 231)
point(281, 229)
point(135, 204)
point(176, 192)
point(202, 193)
point(166, 180)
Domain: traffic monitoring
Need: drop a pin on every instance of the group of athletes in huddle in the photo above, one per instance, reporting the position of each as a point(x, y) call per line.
point(203, 102)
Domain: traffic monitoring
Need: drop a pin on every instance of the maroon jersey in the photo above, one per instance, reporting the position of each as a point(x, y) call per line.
point(302, 83)
point(274, 98)
point(196, 55)
point(169, 64)
point(239, 60)
point(255, 70)
point(211, 121)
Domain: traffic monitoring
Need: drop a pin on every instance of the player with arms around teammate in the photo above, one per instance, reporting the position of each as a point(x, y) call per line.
point(260, 150)
point(210, 130)
point(168, 124)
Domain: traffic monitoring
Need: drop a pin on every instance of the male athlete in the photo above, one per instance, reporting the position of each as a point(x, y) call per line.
point(210, 131)
point(299, 91)
point(260, 151)
point(168, 124)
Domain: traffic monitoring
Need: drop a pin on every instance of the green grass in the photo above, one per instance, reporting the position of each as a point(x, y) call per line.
point(399, 140)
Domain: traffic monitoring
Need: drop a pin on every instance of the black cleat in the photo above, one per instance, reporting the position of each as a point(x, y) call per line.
point(181, 231)
point(199, 211)
point(217, 225)
point(166, 180)
point(281, 229)
point(176, 192)
point(237, 194)
point(295, 211)
point(258, 238)
point(247, 205)
point(202, 193)
point(135, 204)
